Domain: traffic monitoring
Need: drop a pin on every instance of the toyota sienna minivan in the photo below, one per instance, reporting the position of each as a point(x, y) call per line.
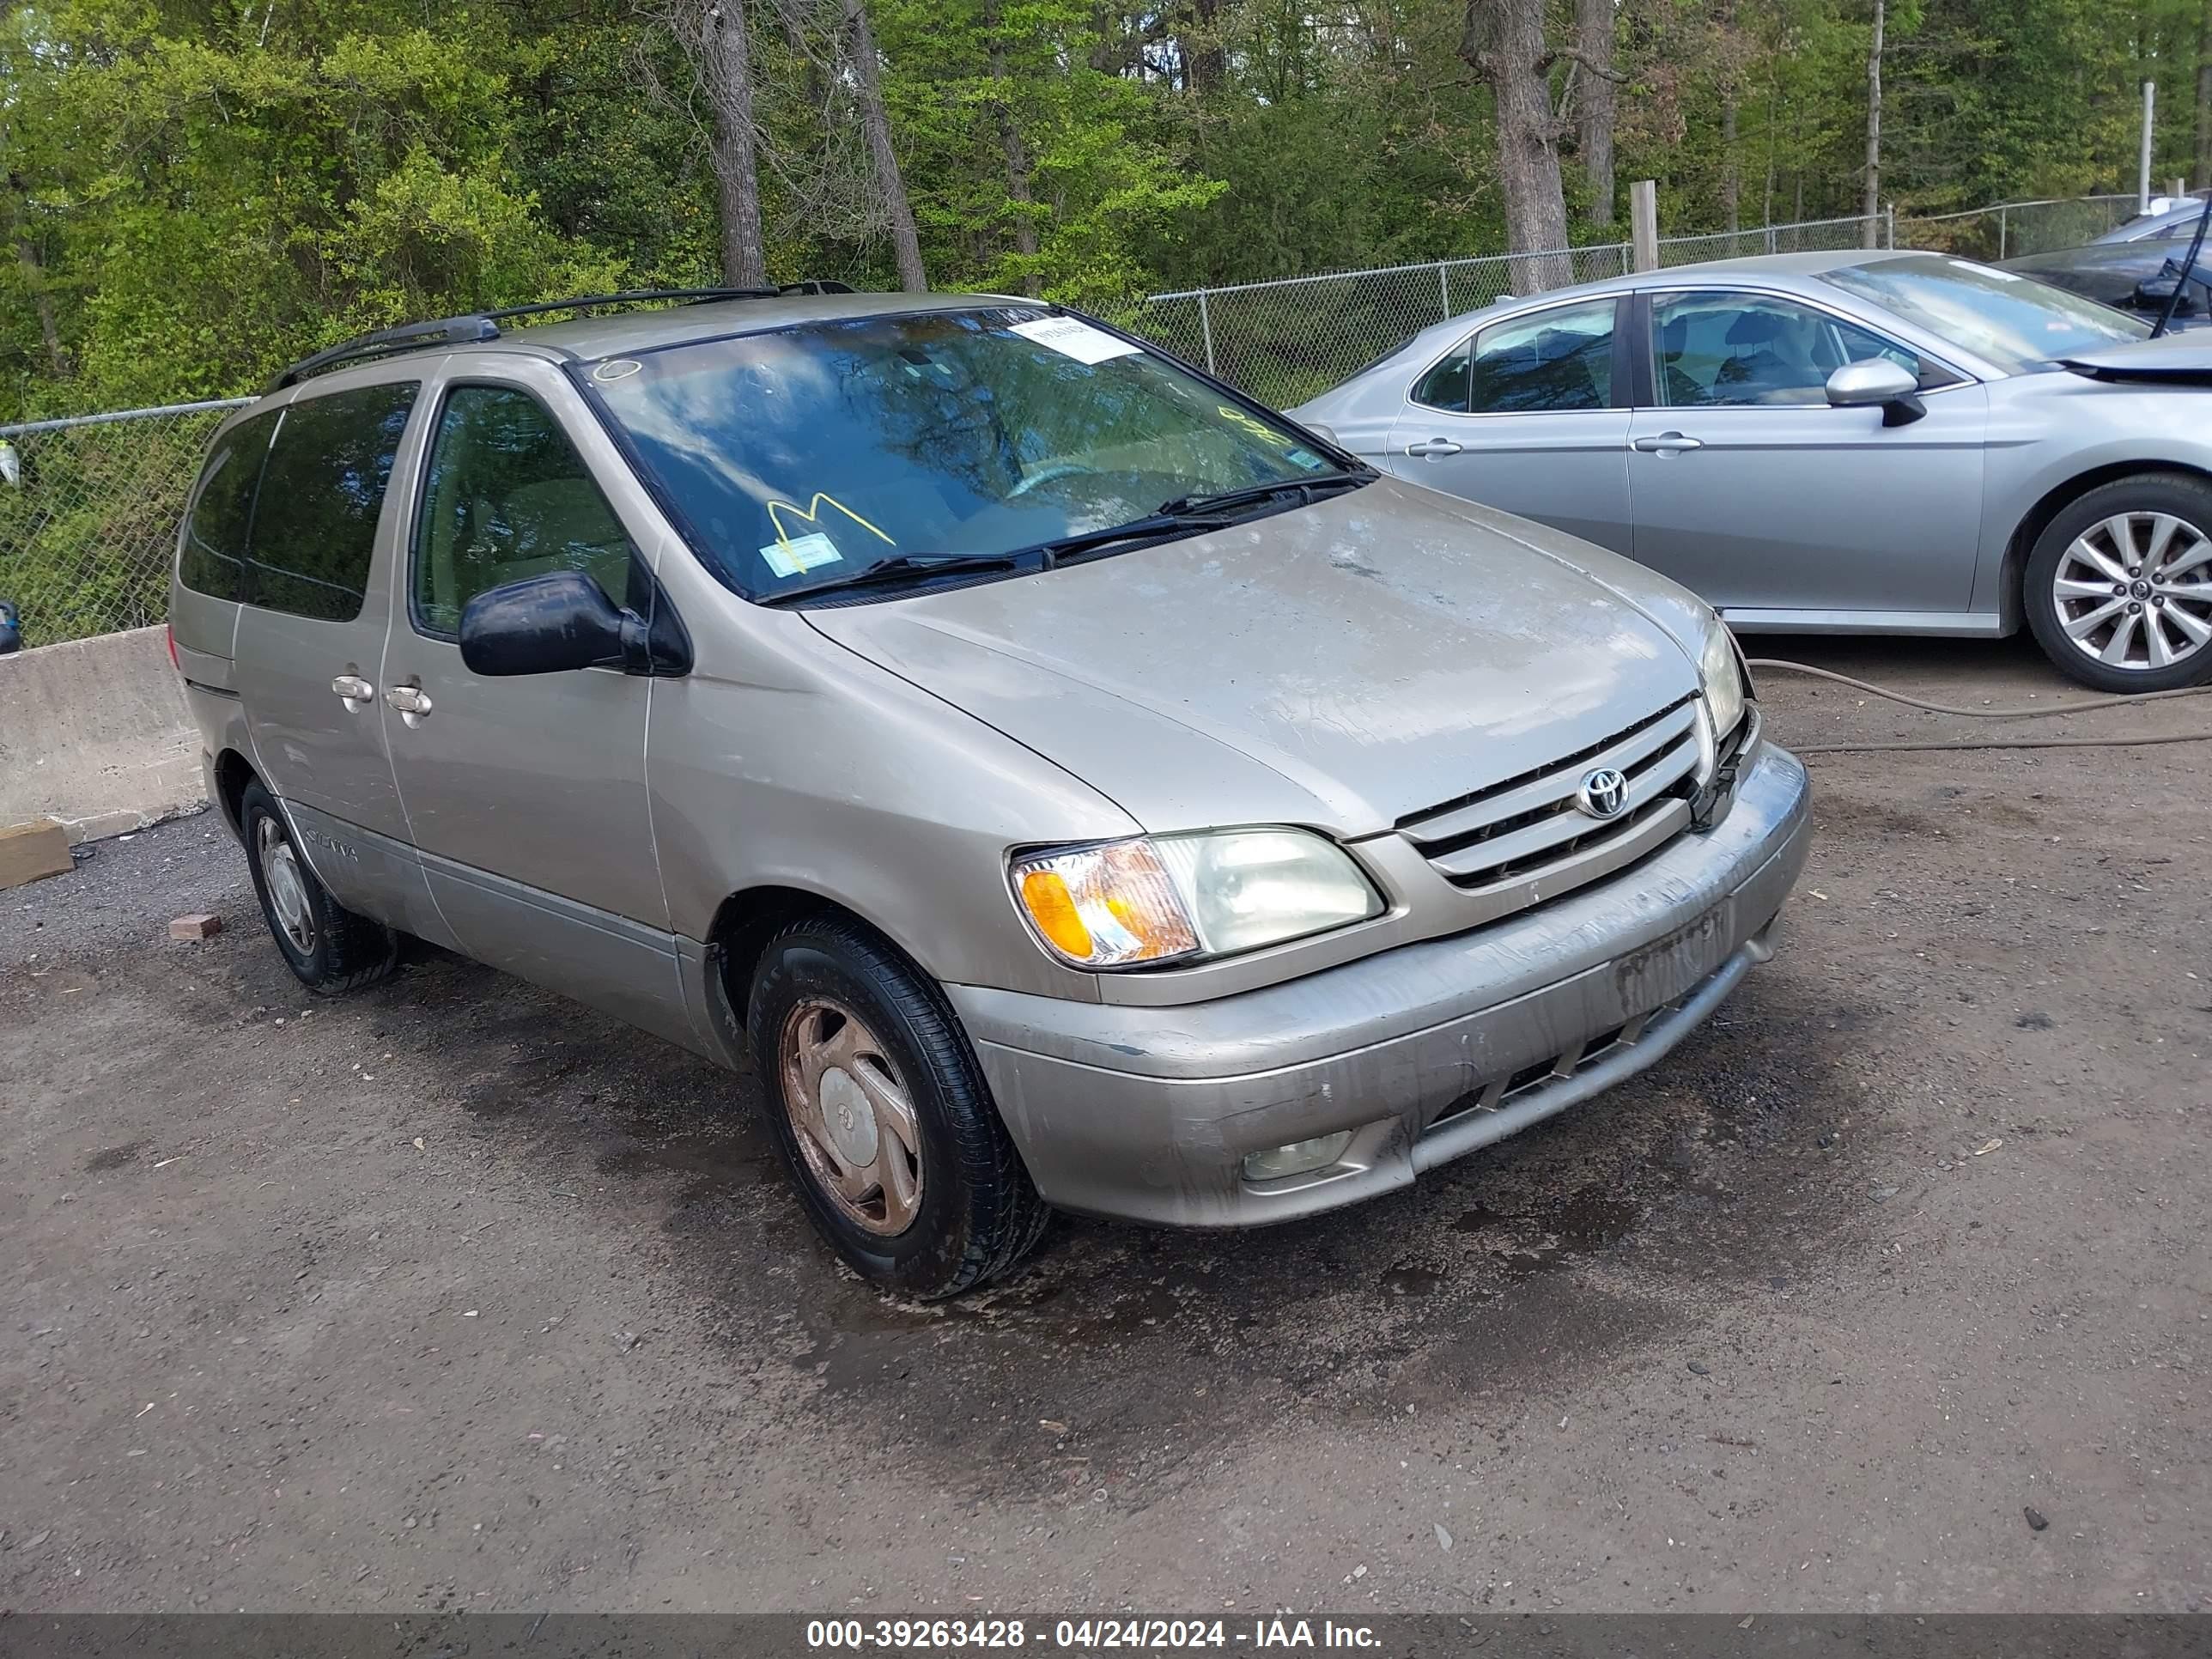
point(1072, 783)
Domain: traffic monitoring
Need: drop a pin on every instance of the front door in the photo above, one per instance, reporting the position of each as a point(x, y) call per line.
point(526, 796)
point(1527, 417)
point(1751, 489)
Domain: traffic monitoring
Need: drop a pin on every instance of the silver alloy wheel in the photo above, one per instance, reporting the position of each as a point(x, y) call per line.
point(2135, 591)
point(853, 1116)
point(288, 888)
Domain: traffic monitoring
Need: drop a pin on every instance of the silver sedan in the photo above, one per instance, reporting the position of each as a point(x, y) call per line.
point(1841, 442)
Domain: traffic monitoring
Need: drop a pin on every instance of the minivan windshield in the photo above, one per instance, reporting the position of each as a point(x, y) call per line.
point(2014, 321)
point(801, 456)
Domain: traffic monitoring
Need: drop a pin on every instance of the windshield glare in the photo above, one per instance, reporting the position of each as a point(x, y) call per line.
point(2014, 321)
point(801, 454)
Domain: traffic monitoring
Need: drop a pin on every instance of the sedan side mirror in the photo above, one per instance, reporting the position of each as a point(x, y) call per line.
point(563, 620)
point(1878, 383)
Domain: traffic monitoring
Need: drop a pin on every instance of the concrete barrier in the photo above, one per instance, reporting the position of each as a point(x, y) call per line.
point(95, 733)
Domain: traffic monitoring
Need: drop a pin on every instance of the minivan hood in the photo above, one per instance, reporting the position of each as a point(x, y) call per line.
point(1342, 664)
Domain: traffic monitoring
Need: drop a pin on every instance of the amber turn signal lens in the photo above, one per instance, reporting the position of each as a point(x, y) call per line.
point(1105, 907)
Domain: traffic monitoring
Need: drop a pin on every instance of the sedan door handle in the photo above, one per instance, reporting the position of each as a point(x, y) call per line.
point(1434, 446)
point(1667, 443)
point(353, 691)
point(411, 701)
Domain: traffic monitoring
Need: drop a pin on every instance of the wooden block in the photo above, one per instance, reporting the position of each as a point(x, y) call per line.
point(32, 852)
point(194, 927)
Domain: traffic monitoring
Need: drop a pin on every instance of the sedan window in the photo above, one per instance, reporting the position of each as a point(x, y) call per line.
point(1721, 349)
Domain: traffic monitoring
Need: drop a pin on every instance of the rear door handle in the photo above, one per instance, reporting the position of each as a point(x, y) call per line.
point(412, 703)
point(1434, 446)
point(1667, 443)
point(353, 691)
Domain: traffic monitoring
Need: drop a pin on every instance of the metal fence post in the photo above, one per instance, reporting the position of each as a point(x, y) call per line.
point(1206, 329)
point(1443, 288)
point(1889, 222)
point(2002, 229)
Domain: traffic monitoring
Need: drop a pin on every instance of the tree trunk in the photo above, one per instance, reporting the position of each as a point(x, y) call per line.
point(1600, 98)
point(876, 121)
point(2204, 97)
point(1873, 210)
point(34, 278)
point(1731, 170)
point(1016, 151)
point(1504, 40)
point(727, 58)
point(1205, 63)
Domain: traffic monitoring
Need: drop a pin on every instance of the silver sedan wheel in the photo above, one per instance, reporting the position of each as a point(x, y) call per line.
point(288, 888)
point(2135, 591)
point(852, 1114)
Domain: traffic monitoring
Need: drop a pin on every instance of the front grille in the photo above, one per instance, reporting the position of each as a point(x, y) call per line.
point(1525, 839)
point(1545, 1073)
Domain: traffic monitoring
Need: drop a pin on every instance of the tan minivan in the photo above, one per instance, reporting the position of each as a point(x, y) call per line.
point(1072, 782)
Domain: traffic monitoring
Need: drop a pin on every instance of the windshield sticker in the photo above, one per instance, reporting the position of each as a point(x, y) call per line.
point(812, 514)
point(788, 558)
point(1986, 271)
point(617, 369)
point(1072, 337)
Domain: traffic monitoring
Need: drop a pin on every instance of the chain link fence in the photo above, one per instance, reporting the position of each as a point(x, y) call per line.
point(89, 515)
point(2013, 230)
point(89, 507)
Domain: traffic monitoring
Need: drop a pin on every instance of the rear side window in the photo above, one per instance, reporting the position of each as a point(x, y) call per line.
point(315, 524)
point(213, 559)
point(1445, 387)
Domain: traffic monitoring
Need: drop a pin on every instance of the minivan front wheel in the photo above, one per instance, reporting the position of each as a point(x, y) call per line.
point(882, 1114)
point(329, 947)
point(2118, 589)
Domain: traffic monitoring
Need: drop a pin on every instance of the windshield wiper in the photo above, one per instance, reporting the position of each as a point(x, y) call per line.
point(1306, 489)
point(915, 567)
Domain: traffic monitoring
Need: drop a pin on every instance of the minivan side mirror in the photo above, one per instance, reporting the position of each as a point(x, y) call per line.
point(1878, 383)
point(560, 621)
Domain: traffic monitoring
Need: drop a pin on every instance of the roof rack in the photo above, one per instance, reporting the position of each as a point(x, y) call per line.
point(476, 326)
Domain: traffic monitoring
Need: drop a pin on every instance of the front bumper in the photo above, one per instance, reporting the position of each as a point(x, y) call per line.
point(1423, 1052)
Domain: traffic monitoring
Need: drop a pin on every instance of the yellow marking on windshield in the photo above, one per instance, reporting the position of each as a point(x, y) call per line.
point(812, 513)
point(1251, 423)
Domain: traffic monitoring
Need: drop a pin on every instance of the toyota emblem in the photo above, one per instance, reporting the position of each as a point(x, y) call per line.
point(1603, 793)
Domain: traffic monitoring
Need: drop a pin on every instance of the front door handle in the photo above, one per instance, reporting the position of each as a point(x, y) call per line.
point(1434, 446)
point(353, 691)
point(412, 703)
point(1667, 443)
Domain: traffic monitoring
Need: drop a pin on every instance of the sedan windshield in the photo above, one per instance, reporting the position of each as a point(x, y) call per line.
point(937, 445)
point(2014, 321)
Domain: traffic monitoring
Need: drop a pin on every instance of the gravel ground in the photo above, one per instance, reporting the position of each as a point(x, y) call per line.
point(452, 1295)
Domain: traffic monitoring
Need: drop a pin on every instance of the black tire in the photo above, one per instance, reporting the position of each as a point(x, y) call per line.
point(2178, 495)
point(976, 1212)
point(344, 952)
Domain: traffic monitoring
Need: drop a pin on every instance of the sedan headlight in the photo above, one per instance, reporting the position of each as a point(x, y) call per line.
point(1163, 898)
point(1718, 667)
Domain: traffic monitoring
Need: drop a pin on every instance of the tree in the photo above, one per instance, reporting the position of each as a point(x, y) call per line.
point(716, 36)
point(1504, 41)
point(1873, 208)
point(1598, 102)
point(868, 76)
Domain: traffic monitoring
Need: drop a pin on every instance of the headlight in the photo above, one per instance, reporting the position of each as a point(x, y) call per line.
point(1724, 687)
point(1162, 898)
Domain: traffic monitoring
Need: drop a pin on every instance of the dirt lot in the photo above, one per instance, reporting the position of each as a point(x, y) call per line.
point(452, 1295)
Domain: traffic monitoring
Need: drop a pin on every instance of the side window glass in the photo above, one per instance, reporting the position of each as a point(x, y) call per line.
point(1445, 387)
point(508, 496)
point(314, 522)
point(1557, 359)
point(1722, 349)
point(212, 559)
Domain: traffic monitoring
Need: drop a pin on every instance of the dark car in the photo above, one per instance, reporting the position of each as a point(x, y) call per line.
point(2134, 277)
point(2169, 215)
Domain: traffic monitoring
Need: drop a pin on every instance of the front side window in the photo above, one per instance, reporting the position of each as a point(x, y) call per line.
point(2014, 321)
point(506, 496)
point(801, 455)
point(314, 522)
point(212, 557)
point(1722, 349)
point(1557, 359)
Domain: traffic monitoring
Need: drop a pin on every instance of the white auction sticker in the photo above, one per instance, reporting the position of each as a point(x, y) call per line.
point(788, 558)
point(1073, 337)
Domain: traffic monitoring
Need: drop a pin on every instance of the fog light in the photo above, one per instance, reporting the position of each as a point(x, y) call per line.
point(1296, 1159)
